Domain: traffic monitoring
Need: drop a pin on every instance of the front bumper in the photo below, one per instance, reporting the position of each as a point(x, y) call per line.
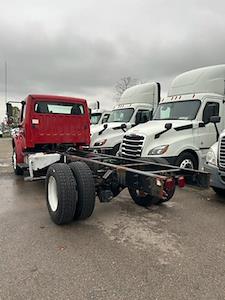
point(217, 178)
point(170, 160)
point(102, 150)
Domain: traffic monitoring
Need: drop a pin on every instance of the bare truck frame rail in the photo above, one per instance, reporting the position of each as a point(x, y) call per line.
point(72, 185)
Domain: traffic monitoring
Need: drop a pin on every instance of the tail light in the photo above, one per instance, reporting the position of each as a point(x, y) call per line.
point(181, 181)
point(169, 184)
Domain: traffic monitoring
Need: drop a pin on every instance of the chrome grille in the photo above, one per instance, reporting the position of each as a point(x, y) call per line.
point(222, 152)
point(132, 145)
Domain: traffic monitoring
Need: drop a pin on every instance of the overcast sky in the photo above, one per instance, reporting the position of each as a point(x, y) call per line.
point(83, 47)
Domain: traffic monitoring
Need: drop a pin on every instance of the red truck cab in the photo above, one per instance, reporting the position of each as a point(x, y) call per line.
point(50, 123)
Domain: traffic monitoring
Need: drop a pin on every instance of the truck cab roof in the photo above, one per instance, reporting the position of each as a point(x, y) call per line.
point(203, 80)
point(148, 93)
point(54, 98)
point(187, 97)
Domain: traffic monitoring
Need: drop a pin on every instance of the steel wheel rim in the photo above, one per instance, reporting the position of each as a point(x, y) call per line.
point(52, 194)
point(187, 164)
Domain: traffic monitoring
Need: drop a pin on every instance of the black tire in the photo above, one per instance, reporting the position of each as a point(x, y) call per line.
point(65, 191)
point(142, 200)
point(189, 157)
point(17, 170)
point(85, 189)
point(219, 192)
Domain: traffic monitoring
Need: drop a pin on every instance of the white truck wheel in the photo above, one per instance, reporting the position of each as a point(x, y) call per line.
point(61, 193)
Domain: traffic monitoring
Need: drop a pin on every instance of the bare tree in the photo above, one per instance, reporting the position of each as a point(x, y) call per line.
point(123, 84)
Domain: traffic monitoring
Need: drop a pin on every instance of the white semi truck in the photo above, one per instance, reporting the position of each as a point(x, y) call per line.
point(135, 106)
point(98, 115)
point(183, 127)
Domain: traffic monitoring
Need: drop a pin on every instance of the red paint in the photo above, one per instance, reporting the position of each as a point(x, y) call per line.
point(170, 184)
point(181, 181)
point(51, 128)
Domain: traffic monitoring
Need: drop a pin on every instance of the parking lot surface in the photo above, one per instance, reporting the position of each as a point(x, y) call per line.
point(172, 251)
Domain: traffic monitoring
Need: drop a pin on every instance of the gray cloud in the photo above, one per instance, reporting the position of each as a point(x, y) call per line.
point(88, 50)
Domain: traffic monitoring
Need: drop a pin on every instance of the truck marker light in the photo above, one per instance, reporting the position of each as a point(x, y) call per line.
point(35, 121)
point(181, 181)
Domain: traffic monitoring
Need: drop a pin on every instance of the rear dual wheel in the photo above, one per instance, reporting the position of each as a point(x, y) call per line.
point(61, 193)
point(70, 192)
point(85, 189)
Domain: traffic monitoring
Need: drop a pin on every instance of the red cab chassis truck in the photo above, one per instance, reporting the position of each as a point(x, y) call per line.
point(52, 142)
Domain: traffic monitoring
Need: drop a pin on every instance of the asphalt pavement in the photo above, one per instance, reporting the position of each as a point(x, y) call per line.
point(172, 251)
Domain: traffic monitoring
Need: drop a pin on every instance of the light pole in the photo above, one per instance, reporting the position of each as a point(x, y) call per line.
point(6, 79)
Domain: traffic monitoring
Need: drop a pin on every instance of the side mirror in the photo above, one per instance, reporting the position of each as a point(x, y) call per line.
point(123, 126)
point(168, 126)
point(215, 119)
point(9, 110)
point(105, 119)
point(104, 128)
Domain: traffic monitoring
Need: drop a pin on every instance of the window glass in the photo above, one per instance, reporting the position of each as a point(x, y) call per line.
point(211, 109)
point(143, 116)
point(121, 115)
point(177, 110)
point(95, 117)
point(105, 118)
point(59, 108)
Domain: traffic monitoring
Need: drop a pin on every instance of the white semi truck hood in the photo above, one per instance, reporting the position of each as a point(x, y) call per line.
point(152, 127)
point(108, 133)
point(155, 134)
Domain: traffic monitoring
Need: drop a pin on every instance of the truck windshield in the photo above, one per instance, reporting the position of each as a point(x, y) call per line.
point(95, 118)
point(177, 110)
point(121, 115)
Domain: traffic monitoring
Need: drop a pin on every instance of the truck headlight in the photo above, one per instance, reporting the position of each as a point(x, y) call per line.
point(211, 157)
point(158, 150)
point(100, 143)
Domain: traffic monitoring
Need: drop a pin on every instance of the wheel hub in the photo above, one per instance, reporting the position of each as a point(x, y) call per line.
point(52, 194)
point(187, 163)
